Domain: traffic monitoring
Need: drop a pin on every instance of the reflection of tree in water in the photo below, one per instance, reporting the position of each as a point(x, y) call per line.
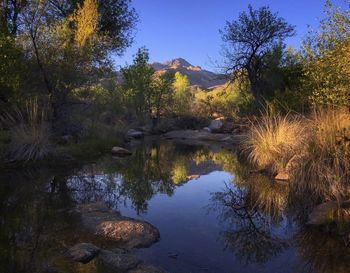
point(147, 174)
point(249, 217)
point(153, 168)
point(34, 218)
point(322, 252)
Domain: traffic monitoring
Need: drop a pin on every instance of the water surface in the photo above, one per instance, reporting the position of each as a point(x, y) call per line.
point(212, 216)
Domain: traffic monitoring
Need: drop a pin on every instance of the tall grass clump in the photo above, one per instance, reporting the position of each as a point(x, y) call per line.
point(30, 133)
point(324, 170)
point(273, 140)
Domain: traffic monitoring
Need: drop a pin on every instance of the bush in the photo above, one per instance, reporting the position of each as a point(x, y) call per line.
point(273, 140)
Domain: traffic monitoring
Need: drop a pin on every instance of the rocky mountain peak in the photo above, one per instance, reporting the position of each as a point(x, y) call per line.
point(177, 63)
point(196, 75)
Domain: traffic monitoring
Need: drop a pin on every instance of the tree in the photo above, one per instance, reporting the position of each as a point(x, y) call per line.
point(137, 83)
point(11, 68)
point(182, 96)
point(249, 40)
point(86, 19)
point(326, 60)
point(68, 43)
point(163, 93)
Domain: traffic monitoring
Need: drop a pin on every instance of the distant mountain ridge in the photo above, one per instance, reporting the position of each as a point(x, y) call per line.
point(196, 75)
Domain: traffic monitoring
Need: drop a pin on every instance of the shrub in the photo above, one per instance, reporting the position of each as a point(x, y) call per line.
point(273, 140)
point(30, 133)
point(324, 170)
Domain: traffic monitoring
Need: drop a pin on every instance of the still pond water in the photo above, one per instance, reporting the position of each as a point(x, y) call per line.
point(212, 217)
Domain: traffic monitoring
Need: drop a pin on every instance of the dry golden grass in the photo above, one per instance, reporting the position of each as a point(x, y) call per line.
point(30, 134)
point(324, 170)
point(273, 140)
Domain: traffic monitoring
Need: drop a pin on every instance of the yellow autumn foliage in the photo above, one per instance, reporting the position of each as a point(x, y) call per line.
point(86, 19)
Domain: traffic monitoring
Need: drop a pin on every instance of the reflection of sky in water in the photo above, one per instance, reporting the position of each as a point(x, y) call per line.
point(218, 222)
point(192, 233)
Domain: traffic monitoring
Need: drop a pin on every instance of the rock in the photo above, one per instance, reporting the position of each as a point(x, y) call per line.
point(93, 207)
point(323, 213)
point(145, 129)
point(118, 262)
point(282, 176)
point(119, 151)
point(132, 133)
point(216, 126)
point(228, 127)
point(195, 135)
point(193, 177)
point(147, 269)
point(131, 233)
point(120, 251)
point(83, 252)
point(206, 129)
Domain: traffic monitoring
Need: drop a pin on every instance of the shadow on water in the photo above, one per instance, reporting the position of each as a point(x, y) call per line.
point(211, 214)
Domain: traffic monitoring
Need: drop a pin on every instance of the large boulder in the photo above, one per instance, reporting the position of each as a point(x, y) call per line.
point(216, 126)
point(82, 253)
point(114, 262)
point(131, 233)
point(119, 151)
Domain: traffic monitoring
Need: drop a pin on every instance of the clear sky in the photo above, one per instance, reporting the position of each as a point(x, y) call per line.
point(190, 28)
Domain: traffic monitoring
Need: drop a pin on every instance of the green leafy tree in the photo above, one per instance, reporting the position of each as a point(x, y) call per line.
point(327, 57)
point(11, 68)
point(137, 83)
point(163, 93)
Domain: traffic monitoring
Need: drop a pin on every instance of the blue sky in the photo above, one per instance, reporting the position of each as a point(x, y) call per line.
point(190, 28)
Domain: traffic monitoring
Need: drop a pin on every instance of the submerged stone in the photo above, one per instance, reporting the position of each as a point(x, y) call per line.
point(118, 262)
point(83, 252)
